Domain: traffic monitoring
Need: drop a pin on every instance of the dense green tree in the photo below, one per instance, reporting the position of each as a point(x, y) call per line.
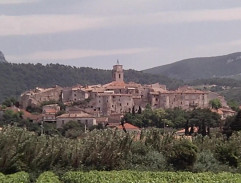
point(72, 129)
point(9, 116)
point(9, 102)
point(182, 155)
point(215, 103)
point(177, 116)
point(236, 123)
point(234, 105)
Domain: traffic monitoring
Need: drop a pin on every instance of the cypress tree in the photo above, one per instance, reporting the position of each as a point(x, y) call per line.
point(187, 129)
point(133, 110)
point(139, 110)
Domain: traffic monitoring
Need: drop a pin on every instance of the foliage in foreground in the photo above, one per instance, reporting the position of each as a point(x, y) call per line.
point(124, 176)
point(48, 177)
point(151, 150)
point(21, 177)
point(147, 177)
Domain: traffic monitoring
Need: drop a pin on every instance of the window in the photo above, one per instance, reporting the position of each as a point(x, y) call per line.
point(119, 76)
point(62, 122)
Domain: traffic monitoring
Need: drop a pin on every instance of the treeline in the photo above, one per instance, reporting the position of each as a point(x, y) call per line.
point(227, 87)
point(115, 150)
point(17, 78)
point(217, 81)
point(173, 118)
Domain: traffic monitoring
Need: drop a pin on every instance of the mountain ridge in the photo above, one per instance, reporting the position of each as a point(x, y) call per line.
point(201, 67)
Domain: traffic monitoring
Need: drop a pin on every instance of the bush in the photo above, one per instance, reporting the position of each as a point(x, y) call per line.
point(182, 155)
point(227, 154)
point(20, 177)
point(152, 161)
point(48, 177)
point(206, 162)
point(148, 177)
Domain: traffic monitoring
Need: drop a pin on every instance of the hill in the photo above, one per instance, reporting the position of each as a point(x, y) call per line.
point(2, 58)
point(17, 78)
point(201, 68)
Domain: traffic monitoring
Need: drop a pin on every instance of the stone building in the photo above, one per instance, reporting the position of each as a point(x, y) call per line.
point(185, 98)
point(37, 96)
point(118, 97)
point(49, 112)
point(83, 118)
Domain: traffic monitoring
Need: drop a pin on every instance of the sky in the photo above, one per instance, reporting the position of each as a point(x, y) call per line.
point(139, 33)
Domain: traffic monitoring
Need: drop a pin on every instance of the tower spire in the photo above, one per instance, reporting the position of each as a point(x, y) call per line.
point(117, 72)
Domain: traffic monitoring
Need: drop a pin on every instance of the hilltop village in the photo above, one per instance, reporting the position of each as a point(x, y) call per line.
point(107, 103)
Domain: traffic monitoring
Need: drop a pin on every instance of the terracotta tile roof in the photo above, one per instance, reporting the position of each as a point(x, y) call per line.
point(112, 94)
point(219, 111)
point(26, 114)
point(77, 115)
point(226, 110)
point(101, 119)
point(50, 111)
point(113, 125)
point(195, 129)
point(115, 85)
point(128, 126)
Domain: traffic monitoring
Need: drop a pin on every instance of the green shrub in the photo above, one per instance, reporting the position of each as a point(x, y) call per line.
point(227, 153)
point(149, 177)
point(20, 177)
point(2, 177)
point(206, 162)
point(48, 177)
point(153, 161)
point(182, 154)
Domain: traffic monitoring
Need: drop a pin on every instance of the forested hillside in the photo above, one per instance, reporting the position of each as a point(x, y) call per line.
point(16, 78)
point(199, 68)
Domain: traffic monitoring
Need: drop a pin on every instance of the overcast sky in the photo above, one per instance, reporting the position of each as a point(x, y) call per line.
point(139, 33)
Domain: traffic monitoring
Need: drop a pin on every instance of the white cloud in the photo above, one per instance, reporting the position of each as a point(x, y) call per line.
point(17, 1)
point(45, 24)
point(73, 54)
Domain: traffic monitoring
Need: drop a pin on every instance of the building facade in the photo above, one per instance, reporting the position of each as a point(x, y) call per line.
point(119, 97)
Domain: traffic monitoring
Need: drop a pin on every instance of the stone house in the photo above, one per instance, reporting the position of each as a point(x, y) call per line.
point(39, 95)
point(49, 112)
point(83, 118)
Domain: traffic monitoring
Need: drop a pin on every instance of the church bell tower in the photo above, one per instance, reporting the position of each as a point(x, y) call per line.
point(118, 73)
